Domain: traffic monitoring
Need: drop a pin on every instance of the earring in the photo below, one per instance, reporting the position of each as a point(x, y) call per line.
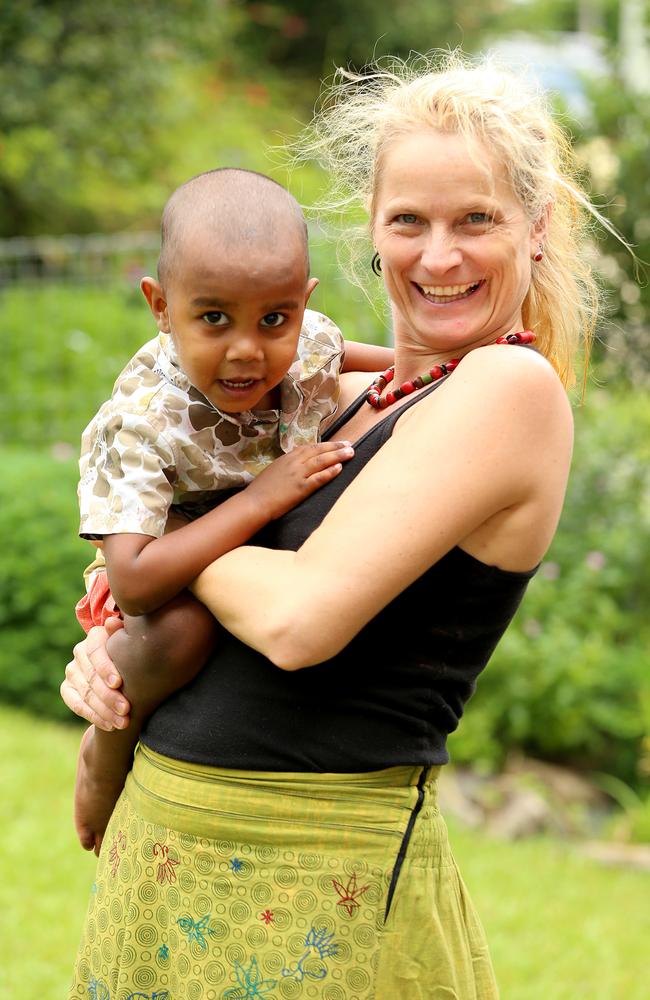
point(376, 264)
point(540, 254)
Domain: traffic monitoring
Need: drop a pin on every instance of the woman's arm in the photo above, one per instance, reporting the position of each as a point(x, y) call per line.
point(481, 462)
point(484, 466)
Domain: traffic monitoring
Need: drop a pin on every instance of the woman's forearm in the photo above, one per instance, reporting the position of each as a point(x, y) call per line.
point(251, 592)
point(296, 608)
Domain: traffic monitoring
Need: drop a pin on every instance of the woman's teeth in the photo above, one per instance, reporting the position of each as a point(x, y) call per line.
point(448, 293)
point(237, 385)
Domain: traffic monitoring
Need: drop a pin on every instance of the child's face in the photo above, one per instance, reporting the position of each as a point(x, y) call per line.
point(235, 316)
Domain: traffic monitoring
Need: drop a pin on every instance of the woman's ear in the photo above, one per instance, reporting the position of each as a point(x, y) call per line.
point(154, 293)
point(539, 229)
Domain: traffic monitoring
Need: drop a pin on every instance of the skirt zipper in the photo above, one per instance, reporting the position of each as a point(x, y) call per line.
point(401, 854)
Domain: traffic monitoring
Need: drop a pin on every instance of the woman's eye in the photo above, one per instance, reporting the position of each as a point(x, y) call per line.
point(479, 218)
point(273, 319)
point(406, 218)
point(215, 318)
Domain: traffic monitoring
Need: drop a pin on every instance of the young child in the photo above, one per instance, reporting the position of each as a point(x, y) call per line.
point(232, 393)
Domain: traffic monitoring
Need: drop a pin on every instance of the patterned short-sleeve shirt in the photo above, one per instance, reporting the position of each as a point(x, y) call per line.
point(159, 442)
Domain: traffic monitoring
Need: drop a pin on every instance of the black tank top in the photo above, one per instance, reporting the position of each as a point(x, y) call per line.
point(390, 697)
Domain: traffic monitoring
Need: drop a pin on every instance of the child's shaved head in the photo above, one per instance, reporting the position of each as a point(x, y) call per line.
point(240, 207)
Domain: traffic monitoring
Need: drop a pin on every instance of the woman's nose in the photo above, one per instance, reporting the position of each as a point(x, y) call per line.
point(440, 251)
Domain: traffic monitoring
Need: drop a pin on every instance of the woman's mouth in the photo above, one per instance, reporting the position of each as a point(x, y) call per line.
point(441, 294)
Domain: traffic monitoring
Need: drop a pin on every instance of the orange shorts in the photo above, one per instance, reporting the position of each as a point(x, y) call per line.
point(97, 605)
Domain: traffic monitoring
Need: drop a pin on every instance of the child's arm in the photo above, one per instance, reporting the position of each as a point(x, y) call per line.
point(366, 357)
point(157, 654)
point(145, 572)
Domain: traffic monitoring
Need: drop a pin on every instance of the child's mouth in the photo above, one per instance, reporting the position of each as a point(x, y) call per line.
point(441, 294)
point(238, 385)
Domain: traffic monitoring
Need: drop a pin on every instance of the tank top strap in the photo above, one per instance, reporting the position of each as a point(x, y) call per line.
point(385, 426)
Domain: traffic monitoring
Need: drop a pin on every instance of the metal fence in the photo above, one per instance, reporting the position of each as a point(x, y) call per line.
point(77, 259)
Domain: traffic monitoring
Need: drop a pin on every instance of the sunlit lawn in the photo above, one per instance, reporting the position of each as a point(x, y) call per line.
point(560, 927)
point(44, 876)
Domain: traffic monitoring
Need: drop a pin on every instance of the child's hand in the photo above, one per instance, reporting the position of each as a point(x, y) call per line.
point(294, 476)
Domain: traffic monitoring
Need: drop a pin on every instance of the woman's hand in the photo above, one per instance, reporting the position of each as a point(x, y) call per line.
point(92, 683)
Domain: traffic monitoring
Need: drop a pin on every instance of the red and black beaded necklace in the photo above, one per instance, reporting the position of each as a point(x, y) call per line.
point(374, 393)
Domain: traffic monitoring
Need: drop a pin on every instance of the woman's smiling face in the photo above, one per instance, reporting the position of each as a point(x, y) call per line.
point(454, 241)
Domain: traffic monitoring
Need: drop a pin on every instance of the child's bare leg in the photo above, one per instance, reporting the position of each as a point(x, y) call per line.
point(156, 655)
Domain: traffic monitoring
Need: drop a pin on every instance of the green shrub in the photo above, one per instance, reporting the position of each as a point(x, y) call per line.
point(42, 561)
point(64, 347)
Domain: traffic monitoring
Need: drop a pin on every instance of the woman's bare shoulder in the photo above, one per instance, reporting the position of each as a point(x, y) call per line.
point(499, 383)
point(512, 369)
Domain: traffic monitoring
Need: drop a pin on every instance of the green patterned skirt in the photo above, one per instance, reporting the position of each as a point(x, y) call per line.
point(225, 885)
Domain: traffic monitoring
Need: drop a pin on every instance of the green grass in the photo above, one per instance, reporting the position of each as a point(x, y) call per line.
point(560, 927)
point(45, 877)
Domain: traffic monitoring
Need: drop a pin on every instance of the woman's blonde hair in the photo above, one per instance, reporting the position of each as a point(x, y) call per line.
point(362, 114)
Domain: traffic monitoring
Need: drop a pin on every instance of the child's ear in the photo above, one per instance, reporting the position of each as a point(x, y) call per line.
point(311, 284)
point(155, 296)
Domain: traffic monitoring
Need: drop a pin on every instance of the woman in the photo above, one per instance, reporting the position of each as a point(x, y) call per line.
point(279, 834)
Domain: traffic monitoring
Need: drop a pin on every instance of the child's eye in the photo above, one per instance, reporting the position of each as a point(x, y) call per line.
point(215, 318)
point(273, 319)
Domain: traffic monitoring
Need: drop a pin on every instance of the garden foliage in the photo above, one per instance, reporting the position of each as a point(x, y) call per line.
point(42, 561)
point(186, 85)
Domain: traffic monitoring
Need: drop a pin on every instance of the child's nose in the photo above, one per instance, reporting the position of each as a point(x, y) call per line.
point(245, 347)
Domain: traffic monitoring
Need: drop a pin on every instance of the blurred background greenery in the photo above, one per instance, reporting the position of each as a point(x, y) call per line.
point(107, 107)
